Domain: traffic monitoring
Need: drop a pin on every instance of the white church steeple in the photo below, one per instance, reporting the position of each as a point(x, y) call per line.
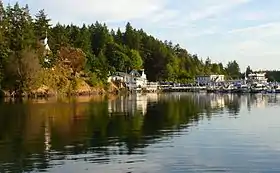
point(47, 48)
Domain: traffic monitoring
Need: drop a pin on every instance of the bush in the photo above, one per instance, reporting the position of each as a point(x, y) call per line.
point(93, 80)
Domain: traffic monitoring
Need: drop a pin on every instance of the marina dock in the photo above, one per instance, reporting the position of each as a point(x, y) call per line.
point(136, 81)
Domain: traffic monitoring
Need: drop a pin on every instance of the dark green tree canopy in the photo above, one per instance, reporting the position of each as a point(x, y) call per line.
point(105, 50)
point(233, 69)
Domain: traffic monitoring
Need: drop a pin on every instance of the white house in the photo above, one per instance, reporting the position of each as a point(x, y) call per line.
point(119, 76)
point(205, 79)
point(257, 77)
point(136, 79)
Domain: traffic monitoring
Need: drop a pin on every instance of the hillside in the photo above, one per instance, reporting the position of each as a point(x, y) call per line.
point(91, 50)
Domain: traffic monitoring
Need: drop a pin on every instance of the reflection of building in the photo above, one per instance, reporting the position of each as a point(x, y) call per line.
point(259, 101)
point(132, 103)
point(47, 135)
point(210, 78)
point(217, 102)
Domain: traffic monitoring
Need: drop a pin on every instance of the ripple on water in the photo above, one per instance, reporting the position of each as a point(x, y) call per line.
point(178, 133)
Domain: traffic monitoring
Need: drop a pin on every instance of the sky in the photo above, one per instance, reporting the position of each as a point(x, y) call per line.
point(247, 31)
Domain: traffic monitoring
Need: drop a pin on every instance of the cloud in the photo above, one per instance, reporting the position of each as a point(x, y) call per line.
point(257, 30)
point(67, 11)
point(257, 45)
point(151, 11)
point(260, 37)
point(217, 7)
point(254, 16)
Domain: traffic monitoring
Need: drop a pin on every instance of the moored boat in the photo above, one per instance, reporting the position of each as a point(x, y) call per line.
point(258, 88)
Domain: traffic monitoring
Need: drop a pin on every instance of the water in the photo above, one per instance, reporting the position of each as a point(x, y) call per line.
point(164, 133)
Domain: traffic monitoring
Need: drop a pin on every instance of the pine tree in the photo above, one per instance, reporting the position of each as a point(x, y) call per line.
point(20, 26)
point(41, 24)
point(3, 41)
point(131, 37)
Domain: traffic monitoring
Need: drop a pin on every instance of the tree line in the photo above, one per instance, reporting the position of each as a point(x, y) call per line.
point(91, 52)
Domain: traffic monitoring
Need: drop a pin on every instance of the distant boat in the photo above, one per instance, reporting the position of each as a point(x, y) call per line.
point(258, 88)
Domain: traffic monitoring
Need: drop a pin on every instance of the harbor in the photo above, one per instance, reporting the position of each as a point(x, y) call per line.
point(136, 81)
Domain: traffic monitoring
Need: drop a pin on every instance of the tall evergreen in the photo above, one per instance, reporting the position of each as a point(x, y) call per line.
point(106, 51)
point(3, 40)
point(41, 24)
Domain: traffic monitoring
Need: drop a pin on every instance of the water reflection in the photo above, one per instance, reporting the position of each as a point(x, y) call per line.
point(43, 134)
point(132, 103)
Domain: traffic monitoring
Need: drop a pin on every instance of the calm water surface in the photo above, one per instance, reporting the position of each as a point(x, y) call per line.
point(153, 133)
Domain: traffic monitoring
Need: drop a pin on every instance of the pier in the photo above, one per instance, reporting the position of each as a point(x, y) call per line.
point(166, 88)
point(136, 81)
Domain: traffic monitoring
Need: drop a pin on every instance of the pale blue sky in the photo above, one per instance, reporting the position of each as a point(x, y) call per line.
point(245, 30)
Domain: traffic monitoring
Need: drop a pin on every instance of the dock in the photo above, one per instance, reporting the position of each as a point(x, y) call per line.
point(183, 88)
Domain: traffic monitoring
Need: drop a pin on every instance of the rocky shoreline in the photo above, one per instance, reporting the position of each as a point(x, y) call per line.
point(44, 92)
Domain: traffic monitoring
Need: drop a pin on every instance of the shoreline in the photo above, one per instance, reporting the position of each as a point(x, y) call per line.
point(47, 92)
point(34, 95)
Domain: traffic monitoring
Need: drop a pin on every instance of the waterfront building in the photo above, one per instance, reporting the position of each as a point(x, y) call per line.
point(135, 79)
point(206, 79)
point(257, 78)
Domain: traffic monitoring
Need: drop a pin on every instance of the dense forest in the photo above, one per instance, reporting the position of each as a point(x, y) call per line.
point(273, 76)
point(88, 53)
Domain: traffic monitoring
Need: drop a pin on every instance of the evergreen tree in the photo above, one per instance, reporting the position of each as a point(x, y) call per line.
point(233, 69)
point(248, 71)
point(41, 24)
point(119, 37)
point(100, 37)
point(58, 37)
point(93, 49)
point(3, 41)
point(135, 60)
point(131, 37)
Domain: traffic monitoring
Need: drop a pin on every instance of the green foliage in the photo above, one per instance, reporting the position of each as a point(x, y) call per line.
point(41, 24)
point(136, 61)
point(273, 75)
point(21, 71)
point(116, 57)
point(93, 80)
point(93, 49)
point(248, 71)
point(233, 69)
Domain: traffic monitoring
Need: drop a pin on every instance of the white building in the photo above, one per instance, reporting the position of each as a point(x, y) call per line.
point(257, 77)
point(46, 45)
point(136, 79)
point(119, 76)
point(47, 49)
point(205, 79)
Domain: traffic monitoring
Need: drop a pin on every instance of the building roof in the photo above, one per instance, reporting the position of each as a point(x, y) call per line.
point(135, 73)
point(257, 74)
point(210, 75)
point(122, 74)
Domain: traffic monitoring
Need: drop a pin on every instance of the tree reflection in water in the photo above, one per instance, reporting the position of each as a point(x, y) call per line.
point(33, 134)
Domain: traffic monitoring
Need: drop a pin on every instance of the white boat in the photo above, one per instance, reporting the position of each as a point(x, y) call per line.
point(258, 88)
point(244, 88)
